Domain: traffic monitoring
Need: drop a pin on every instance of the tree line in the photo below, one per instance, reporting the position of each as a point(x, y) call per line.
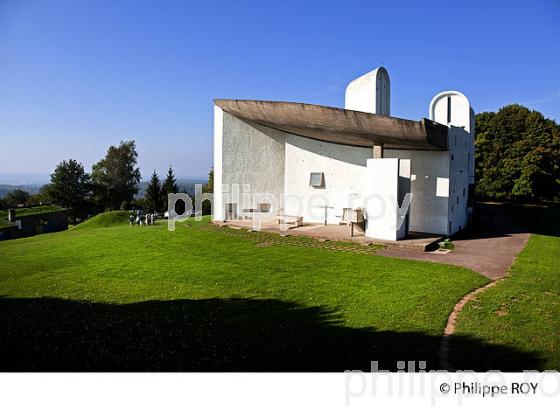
point(113, 184)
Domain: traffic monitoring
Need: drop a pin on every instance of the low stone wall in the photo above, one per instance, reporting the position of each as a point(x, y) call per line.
point(30, 225)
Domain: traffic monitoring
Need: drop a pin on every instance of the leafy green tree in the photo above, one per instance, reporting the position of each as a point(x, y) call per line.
point(40, 197)
point(37, 199)
point(517, 155)
point(70, 187)
point(153, 194)
point(116, 177)
point(16, 197)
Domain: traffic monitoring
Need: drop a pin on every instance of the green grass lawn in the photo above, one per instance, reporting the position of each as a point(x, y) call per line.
point(108, 296)
point(523, 311)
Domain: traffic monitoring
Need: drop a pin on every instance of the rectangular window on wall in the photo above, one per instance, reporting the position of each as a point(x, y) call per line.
point(317, 180)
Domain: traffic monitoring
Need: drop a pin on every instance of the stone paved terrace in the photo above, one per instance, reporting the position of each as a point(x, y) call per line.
point(339, 233)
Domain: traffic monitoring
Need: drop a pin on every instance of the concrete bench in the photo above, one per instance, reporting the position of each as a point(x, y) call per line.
point(290, 220)
point(248, 213)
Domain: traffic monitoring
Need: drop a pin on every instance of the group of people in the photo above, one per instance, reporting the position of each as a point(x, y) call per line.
point(138, 217)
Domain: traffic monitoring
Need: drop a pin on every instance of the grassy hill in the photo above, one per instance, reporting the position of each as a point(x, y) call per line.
point(109, 296)
point(106, 219)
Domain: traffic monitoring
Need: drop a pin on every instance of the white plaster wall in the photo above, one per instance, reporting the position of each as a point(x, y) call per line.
point(428, 208)
point(439, 184)
point(344, 169)
point(251, 155)
point(461, 148)
point(218, 211)
point(382, 182)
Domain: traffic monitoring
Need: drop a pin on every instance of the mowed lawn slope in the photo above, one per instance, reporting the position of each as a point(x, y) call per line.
point(108, 296)
point(523, 311)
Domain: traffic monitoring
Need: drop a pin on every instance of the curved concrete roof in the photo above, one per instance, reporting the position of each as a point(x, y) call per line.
point(340, 126)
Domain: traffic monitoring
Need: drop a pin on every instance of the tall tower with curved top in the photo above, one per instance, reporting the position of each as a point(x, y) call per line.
point(370, 92)
point(452, 108)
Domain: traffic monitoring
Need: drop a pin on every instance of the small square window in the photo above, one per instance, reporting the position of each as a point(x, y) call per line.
point(317, 180)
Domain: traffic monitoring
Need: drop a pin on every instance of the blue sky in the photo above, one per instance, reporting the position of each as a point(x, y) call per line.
point(78, 76)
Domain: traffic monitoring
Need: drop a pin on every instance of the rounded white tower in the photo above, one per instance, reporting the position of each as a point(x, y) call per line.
point(452, 108)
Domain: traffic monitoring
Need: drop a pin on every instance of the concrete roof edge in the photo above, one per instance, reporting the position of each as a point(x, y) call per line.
point(338, 125)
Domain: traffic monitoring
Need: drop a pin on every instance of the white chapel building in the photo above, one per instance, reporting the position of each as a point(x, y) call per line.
point(314, 163)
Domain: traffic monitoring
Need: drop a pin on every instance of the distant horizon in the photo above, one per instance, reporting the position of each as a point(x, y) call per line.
point(32, 179)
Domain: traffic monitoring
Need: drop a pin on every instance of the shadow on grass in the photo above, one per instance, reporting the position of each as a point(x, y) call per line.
point(213, 335)
point(504, 219)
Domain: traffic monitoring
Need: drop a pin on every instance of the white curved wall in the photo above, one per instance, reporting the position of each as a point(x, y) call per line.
point(245, 154)
point(344, 169)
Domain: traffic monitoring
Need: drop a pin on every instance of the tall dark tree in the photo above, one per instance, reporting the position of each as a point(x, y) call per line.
point(170, 182)
point(153, 194)
point(16, 197)
point(208, 187)
point(116, 177)
point(517, 155)
point(169, 186)
point(70, 187)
